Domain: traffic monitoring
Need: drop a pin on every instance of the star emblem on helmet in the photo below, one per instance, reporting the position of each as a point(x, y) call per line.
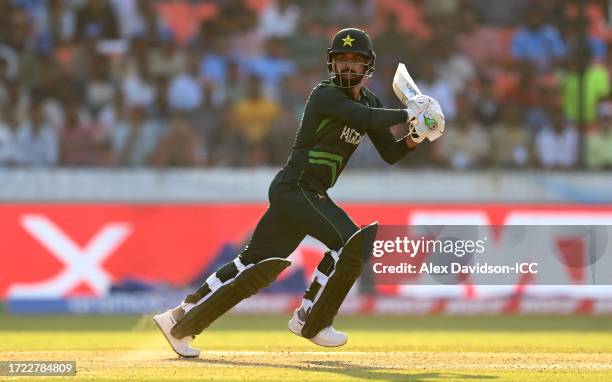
point(348, 40)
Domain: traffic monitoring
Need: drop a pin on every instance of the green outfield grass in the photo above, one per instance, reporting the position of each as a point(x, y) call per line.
point(260, 348)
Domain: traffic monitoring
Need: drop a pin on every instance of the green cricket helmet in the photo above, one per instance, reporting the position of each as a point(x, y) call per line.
point(351, 40)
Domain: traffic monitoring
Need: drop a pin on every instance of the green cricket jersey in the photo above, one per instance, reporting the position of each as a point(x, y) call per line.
point(332, 127)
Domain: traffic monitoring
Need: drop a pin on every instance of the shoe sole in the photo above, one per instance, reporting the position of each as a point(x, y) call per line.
point(292, 331)
point(170, 343)
point(310, 339)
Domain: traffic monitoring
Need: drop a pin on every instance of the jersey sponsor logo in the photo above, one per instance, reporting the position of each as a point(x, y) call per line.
point(351, 136)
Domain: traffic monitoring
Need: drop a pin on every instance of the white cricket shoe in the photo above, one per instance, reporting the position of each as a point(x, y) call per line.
point(165, 321)
point(328, 336)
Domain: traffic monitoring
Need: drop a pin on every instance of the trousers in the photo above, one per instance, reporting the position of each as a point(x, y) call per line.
point(295, 210)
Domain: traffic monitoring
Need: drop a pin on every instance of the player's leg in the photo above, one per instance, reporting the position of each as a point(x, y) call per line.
point(272, 238)
point(260, 263)
point(333, 279)
point(350, 248)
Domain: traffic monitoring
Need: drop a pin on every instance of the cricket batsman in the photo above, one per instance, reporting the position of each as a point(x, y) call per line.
point(338, 113)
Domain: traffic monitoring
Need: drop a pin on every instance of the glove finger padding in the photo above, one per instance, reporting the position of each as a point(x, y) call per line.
point(419, 103)
point(414, 132)
point(430, 123)
point(415, 107)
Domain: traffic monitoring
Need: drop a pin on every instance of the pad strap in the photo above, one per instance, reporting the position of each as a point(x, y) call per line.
point(348, 265)
point(224, 295)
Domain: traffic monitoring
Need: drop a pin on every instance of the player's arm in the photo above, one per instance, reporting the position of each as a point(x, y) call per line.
point(333, 102)
point(389, 148)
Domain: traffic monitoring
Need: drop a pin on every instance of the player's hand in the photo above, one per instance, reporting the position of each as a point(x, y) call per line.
point(425, 118)
point(415, 107)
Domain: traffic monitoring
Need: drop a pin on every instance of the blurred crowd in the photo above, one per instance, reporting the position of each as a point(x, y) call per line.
point(178, 83)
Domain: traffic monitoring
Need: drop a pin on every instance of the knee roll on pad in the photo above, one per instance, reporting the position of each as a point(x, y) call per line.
point(225, 294)
point(349, 263)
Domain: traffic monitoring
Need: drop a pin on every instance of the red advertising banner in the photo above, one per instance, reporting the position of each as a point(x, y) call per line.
point(63, 250)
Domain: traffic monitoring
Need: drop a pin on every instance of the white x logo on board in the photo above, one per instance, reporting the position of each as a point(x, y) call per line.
point(81, 264)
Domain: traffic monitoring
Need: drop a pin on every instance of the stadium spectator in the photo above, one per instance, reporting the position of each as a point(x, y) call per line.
point(5, 11)
point(161, 112)
point(112, 113)
point(55, 20)
point(487, 106)
point(452, 67)
point(9, 64)
point(16, 99)
point(235, 84)
point(99, 89)
point(510, 140)
point(429, 83)
point(138, 85)
point(134, 140)
point(502, 12)
point(180, 146)
point(255, 116)
point(50, 78)
point(306, 44)
point(138, 48)
point(595, 86)
point(481, 43)
point(391, 42)
point(81, 143)
point(516, 85)
point(237, 23)
point(37, 144)
point(350, 12)
point(55, 87)
point(184, 17)
point(58, 53)
point(167, 59)
point(272, 67)
point(411, 21)
point(557, 144)
point(599, 140)
point(228, 144)
point(17, 34)
point(467, 145)
point(571, 35)
point(537, 42)
point(548, 100)
point(8, 138)
point(185, 90)
point(440, 9)
point(83, 56)
point(279, 18)
point(138, 17)
point(279, 140)
point(214, 69)
point(294, 94)
point(97, 14)
point(595, 11)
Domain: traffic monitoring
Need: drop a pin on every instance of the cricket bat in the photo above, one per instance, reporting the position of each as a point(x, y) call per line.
point(403, 85)
point(405, 88)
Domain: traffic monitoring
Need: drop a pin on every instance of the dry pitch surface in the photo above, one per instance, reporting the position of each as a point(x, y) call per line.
point(244, 348)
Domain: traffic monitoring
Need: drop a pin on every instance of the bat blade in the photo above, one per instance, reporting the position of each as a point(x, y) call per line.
point(403, 85)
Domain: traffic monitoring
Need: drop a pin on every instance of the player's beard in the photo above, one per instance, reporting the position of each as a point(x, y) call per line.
point(348, 78)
